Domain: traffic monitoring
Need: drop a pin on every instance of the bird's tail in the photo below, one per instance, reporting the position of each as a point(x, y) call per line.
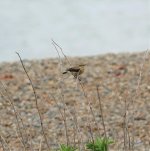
point(65, 72)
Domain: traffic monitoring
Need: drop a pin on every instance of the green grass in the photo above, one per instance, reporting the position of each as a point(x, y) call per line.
point(100, 144)
point(66, 148)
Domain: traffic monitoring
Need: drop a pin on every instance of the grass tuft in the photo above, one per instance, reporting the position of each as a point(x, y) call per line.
point(64, 147)
point(100, 144)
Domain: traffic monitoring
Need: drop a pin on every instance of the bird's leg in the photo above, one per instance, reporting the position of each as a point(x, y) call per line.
point(77, 76)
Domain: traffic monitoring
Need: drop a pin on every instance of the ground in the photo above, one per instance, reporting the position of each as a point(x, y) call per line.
point(124, 88)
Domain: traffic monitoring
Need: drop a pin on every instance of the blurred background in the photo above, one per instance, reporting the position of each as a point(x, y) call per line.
point(80, 27)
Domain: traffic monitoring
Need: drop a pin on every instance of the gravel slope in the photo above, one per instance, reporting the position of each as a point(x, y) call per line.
point(117, 77)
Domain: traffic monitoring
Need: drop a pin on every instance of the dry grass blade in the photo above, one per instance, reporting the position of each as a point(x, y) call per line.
point(77, 80)
point(40, 146)
point(125, 125)
point(16, 116)
point(3, 142)
point(101, 111)
point(61, 90)
point(77, 128)
point(54, 43)
point(60, 62)
point(90, 106)
point(91, 132)
point(36, 100)
point(135, 96)
point(63, 118)
point(74, 118)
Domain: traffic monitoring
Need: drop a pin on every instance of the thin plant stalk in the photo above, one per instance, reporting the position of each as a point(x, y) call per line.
point(63, 115)
point(60, 61)
point(80, 140)
point(16, 116)
point(125, 125)
point(62, 96)
point(101, 111)
point(3, 146)
point(74, 119)
point(65, 119)
point(92, 112)
point(61, 92)
point(36, 100)
point(135, 96)
point(54, 43)
point(19, 117)
point(129, 139)
point(91, 133)
point(40, 146)
point(90, 106)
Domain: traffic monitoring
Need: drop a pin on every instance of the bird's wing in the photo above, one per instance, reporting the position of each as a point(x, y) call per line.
point(73, 69)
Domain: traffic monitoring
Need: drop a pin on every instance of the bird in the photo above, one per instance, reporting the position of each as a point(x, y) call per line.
point(76, 70)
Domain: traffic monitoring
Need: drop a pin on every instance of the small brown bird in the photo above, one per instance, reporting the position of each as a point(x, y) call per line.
point(75, 71)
